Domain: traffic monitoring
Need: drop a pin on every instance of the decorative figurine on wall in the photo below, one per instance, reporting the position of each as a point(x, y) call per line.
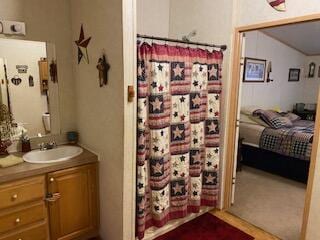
point(22, 68)
point(279, 5)
point(82, 44)
point(53, 71)
point(103, 66)
point(16, 80)
point(31, 82)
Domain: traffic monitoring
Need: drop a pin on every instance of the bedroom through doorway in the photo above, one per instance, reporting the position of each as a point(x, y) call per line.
point(278, 95)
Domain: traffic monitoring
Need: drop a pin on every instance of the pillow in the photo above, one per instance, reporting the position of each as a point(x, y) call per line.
point(273, 119)
point(293, 117)
point(249, 110)
point(246, 119)
point(259, 121)
point(252, 120)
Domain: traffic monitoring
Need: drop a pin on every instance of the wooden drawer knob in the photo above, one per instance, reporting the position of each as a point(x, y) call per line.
point(51, 179)
point(14, 197)
point(18, 220)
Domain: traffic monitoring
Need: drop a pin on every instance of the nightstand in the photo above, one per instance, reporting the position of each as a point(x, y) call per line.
point(306, 114)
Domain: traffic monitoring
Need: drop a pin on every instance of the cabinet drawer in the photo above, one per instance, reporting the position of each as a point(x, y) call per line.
point(36, 232)
point(14, 193)
point(18, 217)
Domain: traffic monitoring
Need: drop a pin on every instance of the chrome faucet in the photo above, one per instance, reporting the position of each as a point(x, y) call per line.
point(47, 146)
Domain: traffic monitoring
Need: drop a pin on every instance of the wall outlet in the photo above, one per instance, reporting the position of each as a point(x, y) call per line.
point(12, 28)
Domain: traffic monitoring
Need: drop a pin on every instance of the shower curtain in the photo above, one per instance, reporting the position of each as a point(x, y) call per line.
point(177, 132)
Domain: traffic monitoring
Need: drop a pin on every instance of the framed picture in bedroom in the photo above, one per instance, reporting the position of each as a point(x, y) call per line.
point(312, 70)
point(294, 75)
point(254, 70)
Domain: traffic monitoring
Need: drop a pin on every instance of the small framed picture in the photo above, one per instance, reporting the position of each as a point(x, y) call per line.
point(312, 70)
point(254, 70)
point(294, 75)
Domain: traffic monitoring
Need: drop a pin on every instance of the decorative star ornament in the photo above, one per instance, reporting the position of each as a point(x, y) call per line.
point(82, 45)
point(177, 133)
point(279, 5)
point(156, 104)
point(177, 188)
point(212, 127)
point(210, 178)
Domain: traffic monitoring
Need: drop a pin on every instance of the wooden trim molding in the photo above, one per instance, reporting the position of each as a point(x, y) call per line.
point(232, 121)
point(282, 22)
point(233, 110)
point(130, 68)
point(314, 153)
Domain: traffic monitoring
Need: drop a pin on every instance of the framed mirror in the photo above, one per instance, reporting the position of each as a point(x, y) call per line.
point(29, 87)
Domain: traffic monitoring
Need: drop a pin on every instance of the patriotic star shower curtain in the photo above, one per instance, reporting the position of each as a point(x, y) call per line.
point(178, 132)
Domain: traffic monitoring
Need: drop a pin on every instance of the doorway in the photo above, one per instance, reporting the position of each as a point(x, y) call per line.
point(235, 109)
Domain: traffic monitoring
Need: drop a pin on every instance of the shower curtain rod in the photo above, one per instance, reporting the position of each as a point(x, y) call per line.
point(222, 47)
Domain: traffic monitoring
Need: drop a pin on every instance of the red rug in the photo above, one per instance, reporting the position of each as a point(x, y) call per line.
point(206, 227)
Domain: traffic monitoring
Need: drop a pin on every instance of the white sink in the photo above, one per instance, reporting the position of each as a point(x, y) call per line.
point(59, 154)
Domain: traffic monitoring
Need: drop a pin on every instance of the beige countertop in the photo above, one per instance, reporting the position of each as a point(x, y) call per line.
point(25, 169)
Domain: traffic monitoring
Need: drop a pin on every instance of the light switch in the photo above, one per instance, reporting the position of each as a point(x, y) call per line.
point(12, 27)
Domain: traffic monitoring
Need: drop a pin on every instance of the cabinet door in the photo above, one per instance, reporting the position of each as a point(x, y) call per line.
point(74, 214)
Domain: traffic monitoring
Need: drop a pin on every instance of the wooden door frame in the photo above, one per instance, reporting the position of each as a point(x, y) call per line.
point(129, 24)
point(233, 111)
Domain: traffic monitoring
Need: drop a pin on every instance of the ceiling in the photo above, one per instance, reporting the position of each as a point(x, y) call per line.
point(304, 37)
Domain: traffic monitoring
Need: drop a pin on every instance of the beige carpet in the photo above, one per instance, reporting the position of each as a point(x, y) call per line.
point(270, 202)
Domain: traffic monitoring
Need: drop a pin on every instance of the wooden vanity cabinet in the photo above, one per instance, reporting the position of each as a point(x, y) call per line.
point(23, 213)
point(73, 212)
point(60, 205)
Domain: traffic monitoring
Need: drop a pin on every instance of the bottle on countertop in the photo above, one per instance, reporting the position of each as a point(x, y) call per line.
point(25, 142)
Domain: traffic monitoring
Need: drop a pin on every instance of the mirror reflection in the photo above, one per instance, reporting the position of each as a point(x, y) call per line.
point(29, 87)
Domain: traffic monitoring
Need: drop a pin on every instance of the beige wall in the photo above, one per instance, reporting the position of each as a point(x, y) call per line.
point(100, 111)
point(153, 17)
point(284, 94)
point(251, 12)
point(48, 20)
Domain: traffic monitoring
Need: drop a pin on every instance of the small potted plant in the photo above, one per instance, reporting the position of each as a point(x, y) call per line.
point(5, 129)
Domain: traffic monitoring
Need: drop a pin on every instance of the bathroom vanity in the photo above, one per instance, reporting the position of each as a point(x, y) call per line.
point(54, 194)
point(50, 201)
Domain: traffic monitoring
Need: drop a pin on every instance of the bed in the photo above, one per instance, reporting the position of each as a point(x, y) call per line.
point(284, 151)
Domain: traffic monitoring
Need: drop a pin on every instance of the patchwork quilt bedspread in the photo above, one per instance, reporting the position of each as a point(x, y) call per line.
point(295, 141)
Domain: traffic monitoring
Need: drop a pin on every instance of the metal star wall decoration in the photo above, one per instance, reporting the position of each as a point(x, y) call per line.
point(279, 5)
point(82, 45)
